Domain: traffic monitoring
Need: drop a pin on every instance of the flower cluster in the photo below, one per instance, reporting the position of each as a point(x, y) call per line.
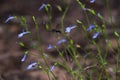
point(67, 30)
point(92, 26)
point(61, 41)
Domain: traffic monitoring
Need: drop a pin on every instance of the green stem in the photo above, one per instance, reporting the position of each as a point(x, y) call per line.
point(63, 17)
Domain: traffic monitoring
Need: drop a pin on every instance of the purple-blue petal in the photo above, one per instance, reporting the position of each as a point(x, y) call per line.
point(90, 27)
point(61, 41)
point(52, 68)
point(92, 1)
point(68, 29)
point(96, 35)
point(50, 46)
point(42, 6)
point(31, 65)
point(9, 18)
point(23, 58)
point(22, 34)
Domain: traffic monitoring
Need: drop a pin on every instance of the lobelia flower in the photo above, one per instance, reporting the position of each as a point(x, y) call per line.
point(61, 41)
point(31, 65)
point(68, 29)
point(96, 35)
point(9, 18)
point(90, 27)
point(92, 1)
point(42, 6)
point(50, 46)
point(24, 58)
point(22, 34)
point(52, 68)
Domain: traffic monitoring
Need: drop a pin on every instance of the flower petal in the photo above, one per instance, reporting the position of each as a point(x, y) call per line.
point(31, 65)
point(92, 1)
point(50, 46)
point(61, 41)
point(52, 68)
point(96, 35)
point(42, 6)
point(9, 18)
point(23, 58)
point(90, 27)
point(68, 29)
point(22, 34)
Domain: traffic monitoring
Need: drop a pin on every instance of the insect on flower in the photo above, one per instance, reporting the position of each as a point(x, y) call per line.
point(22, 34)
point(31, 65)
point(61, 41)
point(50, 46)
point(90, 27)
point(96, 35)
point(56, 31)
point(24, 58)
point(92, 1)
point(42, 6)
point(9, 18)
point(68, 29)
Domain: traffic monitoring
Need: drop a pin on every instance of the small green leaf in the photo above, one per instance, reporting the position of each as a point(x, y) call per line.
point(21, 44)
point(26, 52)
point(71, 41)
point(55, 63)
point(46, 26)
point(78, 21)
point(92, 11)
point(15, 16)
point(59, 8)
point(40, 67)
point(48, 5)
point(116, 34)
point(33, 18)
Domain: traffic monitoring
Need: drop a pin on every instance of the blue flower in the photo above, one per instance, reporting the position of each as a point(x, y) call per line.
point(31, 65)
point(92, 1)
point(61, 41)
point(52, 68)
point(50, 46)
point(22, 34)
point(68, 29)
point(96, 35)
point(23, 58)
point(42, 6)
point(9, 18)
point(90, 27)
